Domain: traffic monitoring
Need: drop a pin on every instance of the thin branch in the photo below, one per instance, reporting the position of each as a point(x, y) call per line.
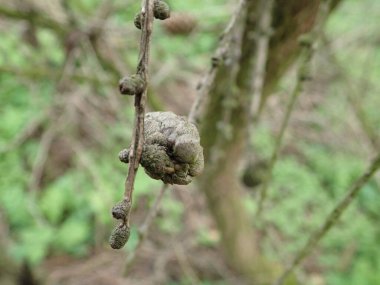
point(302, 75)
point(144, 228)
point(193, 116)
point(185, 265)
point(263, 38)
point(53, 74)
point(34, 16)
point(41, 158)
point(331, 219)
point(140, 101)
point(354, 97)
point(219, 56)
point(263, 35)
point(29, 131)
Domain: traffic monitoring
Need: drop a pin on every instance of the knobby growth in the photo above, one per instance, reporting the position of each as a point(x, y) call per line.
point(166, 145)
point(134, 85)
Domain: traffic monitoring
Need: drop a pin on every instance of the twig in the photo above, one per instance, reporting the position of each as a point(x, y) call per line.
point(193, 116)
point(144, 228)
point(37, 172)
point(53, 74)
point(29, 131)
point(303, 75)
point(331, 219)
point(140, 101)
point(263, 38)
point(354, 98)
point(41, 157)
point(143, 231)
point(219, 56)
point(185, 264)
point(34, 16)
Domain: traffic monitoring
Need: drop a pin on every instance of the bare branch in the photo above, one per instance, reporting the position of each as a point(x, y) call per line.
point(263, 37)
point(144, 228)
point(140, 101)
point(354, 97)
point(219, 56)
point(303, 74)
point(331, 219)
point(193, 116)
point(53, 74)
point(34, 16)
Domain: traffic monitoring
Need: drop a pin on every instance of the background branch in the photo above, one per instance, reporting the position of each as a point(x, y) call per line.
point(220, 55)
point(331, 219)
point(145, 226)
point(308, 43)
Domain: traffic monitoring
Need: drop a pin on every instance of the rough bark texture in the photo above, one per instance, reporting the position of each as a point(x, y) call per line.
point(290, 19)
point(225, 126)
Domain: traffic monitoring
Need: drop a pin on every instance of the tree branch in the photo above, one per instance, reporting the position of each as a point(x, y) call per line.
point(33, 16)
point(263, 37)
point(219, 56)
point(303, 73)
point(144, 228)
point(331, 219)
point(194, 115)
point(140, 101)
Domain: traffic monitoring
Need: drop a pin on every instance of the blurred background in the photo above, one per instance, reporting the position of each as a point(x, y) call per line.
point(63, 123)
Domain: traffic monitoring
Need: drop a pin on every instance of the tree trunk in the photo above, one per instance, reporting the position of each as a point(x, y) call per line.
point(225, 125)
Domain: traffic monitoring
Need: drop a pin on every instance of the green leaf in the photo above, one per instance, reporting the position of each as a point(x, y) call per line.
point(34, 244)
point(74, 233)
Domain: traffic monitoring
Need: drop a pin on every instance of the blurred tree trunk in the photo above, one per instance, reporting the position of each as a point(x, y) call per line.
point(225, 125)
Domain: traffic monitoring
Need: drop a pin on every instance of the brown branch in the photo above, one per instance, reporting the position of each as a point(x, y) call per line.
point(54, 74)
point(219, 56)
point(144, 228)
point(331, 219)
point(193, 116)
point(35, 17)
point(140, 101)
point(29, 131)
point(303, 73)
point(354, 98)
point(263, 37)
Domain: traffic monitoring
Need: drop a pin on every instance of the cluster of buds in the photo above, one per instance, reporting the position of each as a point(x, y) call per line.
point(132, 85)
point(161, 11)
point(120, 234)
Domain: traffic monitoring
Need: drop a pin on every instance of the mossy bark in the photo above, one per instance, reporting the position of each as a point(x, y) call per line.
point(225, 126)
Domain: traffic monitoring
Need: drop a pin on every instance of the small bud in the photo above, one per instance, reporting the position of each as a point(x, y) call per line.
point(137, 20)
point(121, 210)
point(161, 10)
point(124, 155)
point(131, 85)
point(119, 236)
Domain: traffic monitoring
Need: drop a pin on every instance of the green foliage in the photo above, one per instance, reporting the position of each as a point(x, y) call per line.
point(33, 243)
point(172, 211)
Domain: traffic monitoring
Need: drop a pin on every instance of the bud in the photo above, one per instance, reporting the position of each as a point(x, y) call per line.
point(121, 210)
point(137, 20)
point(119, 236)
point(131, 85)
point(124, 155)
point(161, 10)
